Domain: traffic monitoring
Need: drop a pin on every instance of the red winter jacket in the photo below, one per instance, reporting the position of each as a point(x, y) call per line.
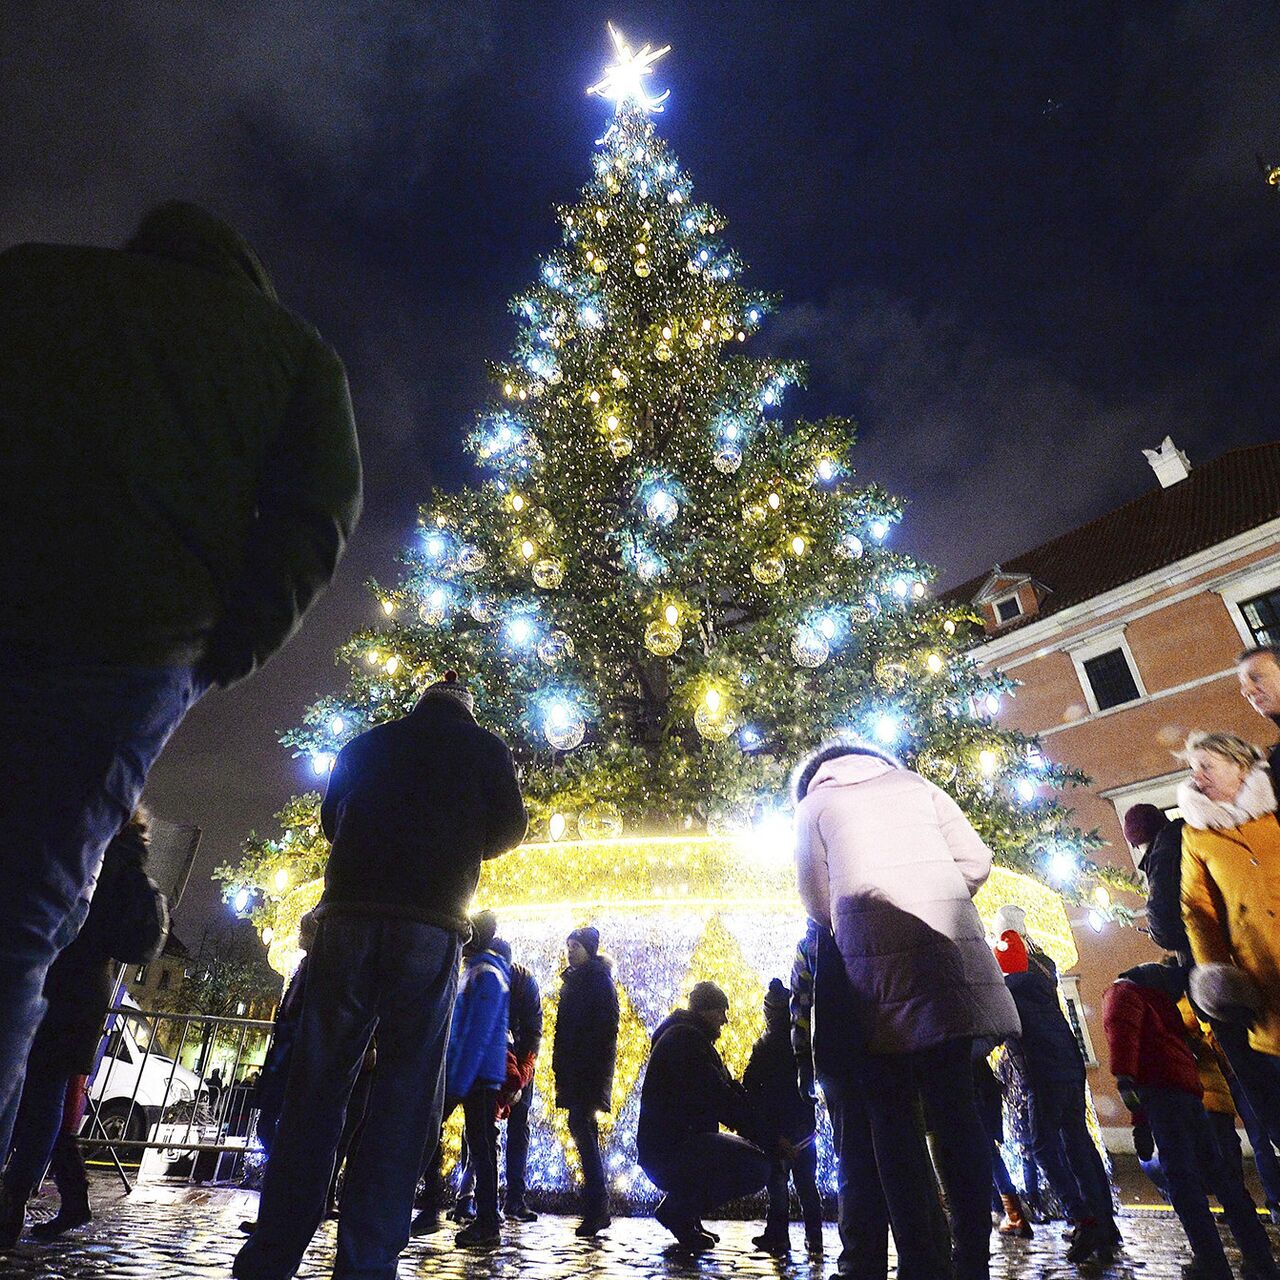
point(1146, 1038)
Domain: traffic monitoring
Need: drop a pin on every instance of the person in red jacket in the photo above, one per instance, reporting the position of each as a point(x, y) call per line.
point(1157, 1075)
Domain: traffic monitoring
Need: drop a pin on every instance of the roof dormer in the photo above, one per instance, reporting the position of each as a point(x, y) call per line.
point(1007, 597)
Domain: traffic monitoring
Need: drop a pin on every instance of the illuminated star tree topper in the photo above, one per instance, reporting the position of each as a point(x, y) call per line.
point(623, 82)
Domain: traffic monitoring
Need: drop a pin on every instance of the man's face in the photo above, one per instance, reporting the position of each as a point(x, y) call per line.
point(1260, 683)
point(576, 953)
point(714, 1020)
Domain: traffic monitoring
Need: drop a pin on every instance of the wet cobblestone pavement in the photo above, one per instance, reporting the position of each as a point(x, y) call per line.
point(186, 1233)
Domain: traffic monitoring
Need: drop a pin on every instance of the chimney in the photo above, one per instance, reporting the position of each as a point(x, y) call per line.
point(1168, 462)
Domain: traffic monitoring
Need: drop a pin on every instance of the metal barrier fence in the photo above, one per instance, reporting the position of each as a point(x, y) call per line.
point(144, 1103)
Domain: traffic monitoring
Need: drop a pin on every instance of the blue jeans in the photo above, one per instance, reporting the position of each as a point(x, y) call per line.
point(1064, 1149)
point(35, 1131)
point(861, 1214)
point(1194, 1167)
point(400, 977)
point(940, 1079)
point(76, 744)
point(584, 1128)
point(705, 1171)
point(518, 1150)
point(1256, 1089)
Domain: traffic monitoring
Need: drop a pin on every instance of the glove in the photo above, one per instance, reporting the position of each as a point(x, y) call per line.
point(526, 1067)
point(1129, 1093)
point(510, 1089)
point(1144, 1144)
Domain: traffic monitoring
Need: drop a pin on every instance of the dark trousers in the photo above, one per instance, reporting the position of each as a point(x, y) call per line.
point(862, 1215)
point(1257, 1078)
point(35, 1131)
point(584, 1128)
point(400, 977)
point(705, 1171)
point(1064, 1149)
point(1000, 1171)
point(76, 743)
point(942, 1079)
point(803, 1171)
point(482, 1151)
point(518, 1150)
point(352, 1127)
point(1193, 1167)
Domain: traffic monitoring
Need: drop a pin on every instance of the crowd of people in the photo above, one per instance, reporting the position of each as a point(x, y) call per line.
point(189, 446)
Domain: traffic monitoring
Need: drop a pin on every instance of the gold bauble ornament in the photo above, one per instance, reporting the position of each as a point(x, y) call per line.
point(621, 446)
point(548, 574)
point(662, 638)
point(938, 768)
point(891, 674)
point(599, 265)
point(663, 351)
point(554, 648)
point(809, 647)
point(693, 340)
point(642, 267)
point(728, 459)
point(714, 725)
point(768, 570)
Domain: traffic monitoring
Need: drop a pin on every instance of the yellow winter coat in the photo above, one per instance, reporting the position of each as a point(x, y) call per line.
point(1231, 891)
point(1217, 1092)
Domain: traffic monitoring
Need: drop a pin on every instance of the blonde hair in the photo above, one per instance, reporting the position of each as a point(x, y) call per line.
point(1226, 745)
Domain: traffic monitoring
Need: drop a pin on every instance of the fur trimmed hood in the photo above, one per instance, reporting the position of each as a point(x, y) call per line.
point(1256, 799)
point(807, 772)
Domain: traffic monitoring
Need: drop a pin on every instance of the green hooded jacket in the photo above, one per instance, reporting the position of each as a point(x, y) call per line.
point(178, 452)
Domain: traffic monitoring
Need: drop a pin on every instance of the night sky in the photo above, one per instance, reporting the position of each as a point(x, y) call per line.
point(1016, 242)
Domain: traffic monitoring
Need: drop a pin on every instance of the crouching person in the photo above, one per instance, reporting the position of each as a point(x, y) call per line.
point(687, 1095)
point(1156, 1072)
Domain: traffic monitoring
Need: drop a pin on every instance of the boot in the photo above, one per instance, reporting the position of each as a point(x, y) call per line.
point(66, 1219)
point(13, 1215)
point(773, 1241)
point(1015, 1221)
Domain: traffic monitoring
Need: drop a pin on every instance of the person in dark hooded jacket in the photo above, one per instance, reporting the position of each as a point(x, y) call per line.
point(784, 1125)
point(687, 1095)
point(1049, 1060)
point(181, 476)
point(78, 990)
point(414, 806)
point(1158, 843)
point(583, 1054)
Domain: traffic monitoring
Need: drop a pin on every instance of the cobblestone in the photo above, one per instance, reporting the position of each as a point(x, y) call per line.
point(185, 1233)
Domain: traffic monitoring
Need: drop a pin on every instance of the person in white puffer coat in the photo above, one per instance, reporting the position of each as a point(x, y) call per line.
point(890, 864)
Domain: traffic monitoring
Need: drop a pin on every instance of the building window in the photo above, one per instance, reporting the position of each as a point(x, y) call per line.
point(1008, 609)
point(1262, 617)
point(140, 976)
point(1111, 679)
point(1075, 1016)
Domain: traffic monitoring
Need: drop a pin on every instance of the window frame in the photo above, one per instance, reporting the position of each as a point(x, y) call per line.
point(1257, 580)
point(1013, 598)
point(1161, 791)
point(1095, 648)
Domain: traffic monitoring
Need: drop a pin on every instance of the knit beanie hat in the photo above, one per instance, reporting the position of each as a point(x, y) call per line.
point(1011, 952)
point(588, 936)
point(1010, 917)
point(1142, 823)
point(706, 995)
point(484, 928)
point(449, 686)
point(777, 999)
point(1225, 993)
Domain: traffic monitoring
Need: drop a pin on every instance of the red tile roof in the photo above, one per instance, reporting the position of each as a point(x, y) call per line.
point(1218, 500)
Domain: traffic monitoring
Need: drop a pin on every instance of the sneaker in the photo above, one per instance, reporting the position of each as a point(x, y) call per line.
point(425, 1223)
point(479, 1235)
point(699, 1227)
point(64, 1220)
point(687, 1232)
point(772, 1242)
point(519, 1213)
point(592, 1225)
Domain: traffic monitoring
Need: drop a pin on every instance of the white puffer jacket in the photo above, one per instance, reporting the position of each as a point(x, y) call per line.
point(891, 864)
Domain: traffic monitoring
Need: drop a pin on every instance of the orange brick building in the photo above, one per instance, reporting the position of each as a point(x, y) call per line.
point(1122, 635)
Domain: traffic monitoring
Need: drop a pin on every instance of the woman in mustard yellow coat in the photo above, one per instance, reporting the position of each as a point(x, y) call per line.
point(1231, 897)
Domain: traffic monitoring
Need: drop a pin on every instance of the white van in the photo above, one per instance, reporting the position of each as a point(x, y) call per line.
point(132, 1089)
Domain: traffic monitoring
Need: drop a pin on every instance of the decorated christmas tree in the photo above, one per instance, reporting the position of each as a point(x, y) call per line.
point(662, 594)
